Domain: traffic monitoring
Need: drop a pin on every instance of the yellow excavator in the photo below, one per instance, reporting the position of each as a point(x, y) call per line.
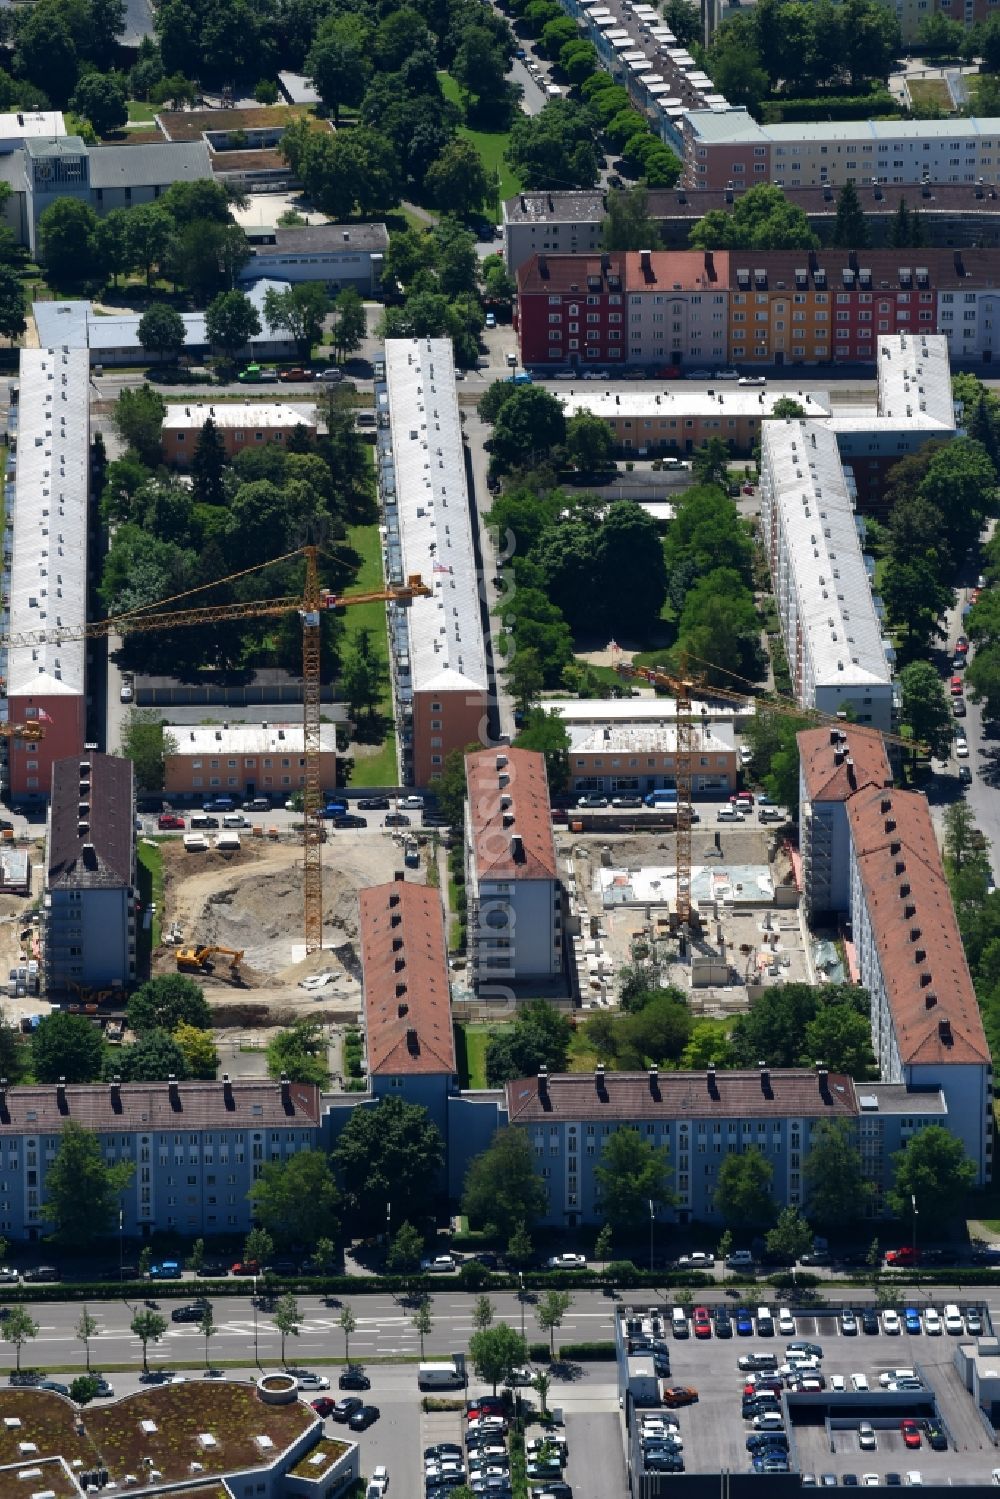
point(200, 960)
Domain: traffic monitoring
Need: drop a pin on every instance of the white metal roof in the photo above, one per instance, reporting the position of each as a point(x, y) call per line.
point(255, 415)
point(803, 480)
point(643, 736)
point(32, 123)
point(247, 739)
point(914, 377)
point(650, 708)
point(48, 584)
point(687, 401)
point(447, 652)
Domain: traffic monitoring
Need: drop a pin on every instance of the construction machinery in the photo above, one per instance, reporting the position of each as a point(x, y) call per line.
point(200, 960)
point(309, 607)
point(688, 722)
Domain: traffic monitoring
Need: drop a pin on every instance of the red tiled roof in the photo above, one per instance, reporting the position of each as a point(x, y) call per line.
point(407, 995)
point(159, 1106)
point(677, 270)
point(508, 800)
point(632, 1096)
point(929, 989)
point(567, 273)
point(838, 762)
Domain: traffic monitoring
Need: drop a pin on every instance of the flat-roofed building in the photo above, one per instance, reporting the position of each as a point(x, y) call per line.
point(834, 764)
point(47, 532)
point(243, 759)
point(927, 1031)
point(89, 906)
point(637, 755)
point(829, 625)
point(680, 418)
point(439, 666)
point(407, 996)
point(515, 895)
point(240, 424)
point(338, 255)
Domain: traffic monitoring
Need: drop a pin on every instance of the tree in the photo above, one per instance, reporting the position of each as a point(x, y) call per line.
point(743, 1190)
point(528, 425)
point(86, 1328)
point(66, 1046)
point(589, 443)
point(258, 1246)
point(546, 733)
point(554, 148)
point(196, 1259)
point(602, 1245)
point(519, 1246)
point(138, 420)
point(390, 1153)
point(231, 321)
point(152, 1059)
point(495, 1352)
point(836, 1191)
point(456, 181)
point(162, 331)
point(541, 1384)
point(539, 1036)
point(348, 1325)
point(483, 1313)
point(149, 230)
point(915, 598)
point(502, 1188)
point(843, 1039)
point(724, 1249)
point(761, 219)
point(287, 1319)
point(339, 62)
point(149, 1327)
point(201, 1059)
point(550, 1310)
point(12, 320)
point(299, 1053)
point(526, 677)
point(405, 1250)
point(933, 1168)
point(297, 1199)
point(18, 1328)
point(67, 242)
point(719, 624)
point(684, 21)
point(627, 225)
point(925, 708)
point(299, 310)
point(631, 1173)
point(167, 1001)
point(363, 676)
point(101, 98)
point(351, 321)
point(207, 1326)
point(421, 1320)
point(710, 464)
point(81, 1192)
point(791, 1236)
point(83, 1389)
point(851, 228)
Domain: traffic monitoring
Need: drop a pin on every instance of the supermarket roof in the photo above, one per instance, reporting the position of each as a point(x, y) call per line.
point(48, 581)
point(447, 651)
point(833, 593)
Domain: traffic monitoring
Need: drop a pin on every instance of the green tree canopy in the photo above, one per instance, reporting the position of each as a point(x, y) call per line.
point(231, 320)
point(791, 1237)
point(138, 419)
point(152, 1059)
point(167, 1001)
point(934, 1169)
point(297, 1200)
point(502, 1188)
point(761, 219)
point(391, 1153)
point(162, 331)
point(539, 1036)
point(81, 1192)
point(743, 1190)
point(66, 1046)
point(627, 225)
point(925, 707)
point(495, 1351)
point(836, 1191)
point(631, 1173)
point(299, 1053)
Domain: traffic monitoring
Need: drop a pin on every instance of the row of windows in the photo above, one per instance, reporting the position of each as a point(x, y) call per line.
point(250, 764)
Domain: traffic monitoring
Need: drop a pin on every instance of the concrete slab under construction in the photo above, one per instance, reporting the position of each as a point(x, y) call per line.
point(656, 884)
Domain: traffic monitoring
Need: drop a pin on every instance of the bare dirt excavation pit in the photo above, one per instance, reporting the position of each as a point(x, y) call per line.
point(252, 900)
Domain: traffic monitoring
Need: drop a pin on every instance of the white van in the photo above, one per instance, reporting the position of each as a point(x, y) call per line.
point(234, 820)
point(679, 1322)
point(953, 1319)
point(439, 1376)
point(765, 1322)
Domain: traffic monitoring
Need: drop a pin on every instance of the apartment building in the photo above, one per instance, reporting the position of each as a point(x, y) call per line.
point(91, 894)
point(197, 1147)
point(45, 565)
point(679, 418)
point(639, 754)
point(723, 147)
point(438, 651)
point(407, 996)
point(834, 764)
point(515, 895)
point(243, 759)
point(927, 1032)
point(829, 625)
point(241, 424)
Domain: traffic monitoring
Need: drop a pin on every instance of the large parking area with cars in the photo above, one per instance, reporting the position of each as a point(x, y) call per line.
point(901, 1370)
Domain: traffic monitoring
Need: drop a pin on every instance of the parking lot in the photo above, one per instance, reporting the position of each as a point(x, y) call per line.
point(714, 1435)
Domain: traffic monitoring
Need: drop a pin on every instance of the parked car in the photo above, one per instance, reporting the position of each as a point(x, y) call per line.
point(363, 1418)
point(297, 372)
point(911, 1320)
point(592, 799)
point(674, 1395)
point(910, 1432)
point(169, 822)
point(193, 1313)
point(324, 1406)
point(313, 1382)
point(932, 1322)
point(904, 1256)
point(396, 820)
point(567, 1261)
point(346, 1408)
point(890, 1322)
point(752, 380)
point(349, 820)
point(439, 1264)
point(353, 1378)
point(372, 804)
point(626, 801)
point(698, 1259)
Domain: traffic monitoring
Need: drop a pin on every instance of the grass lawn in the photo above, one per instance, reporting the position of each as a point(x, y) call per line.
point(378, 769)
point(491, 145)
point(149, 857)
point(931, 91)
point(141, 110)
point(470, 1053)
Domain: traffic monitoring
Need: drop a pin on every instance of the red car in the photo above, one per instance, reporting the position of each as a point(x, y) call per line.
point(169, 820)
point(961, 646)
point(323, 1406)
point(907, 1255)
point(742, 799)
point(245, 1267)
point(702, 1322)
point(296, 374)
point(911, 1433)
point(956, 686)
point(679, 1394)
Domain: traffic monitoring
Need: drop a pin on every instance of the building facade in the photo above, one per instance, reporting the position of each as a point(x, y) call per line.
point(338, 255)
point(834, 763)
point(241, 424)
point(440, 673)
point(829, 623)
point(45, 565)
point(639, 755)
point(197, 1148)
point(243, 759)
point(91, 892)
point(680, 417)
point(515, 896)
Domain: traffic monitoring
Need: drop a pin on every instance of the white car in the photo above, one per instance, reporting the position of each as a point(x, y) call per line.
point(313, 1382)
point(726, 375)
point(699, 1259)
point(567, 1261)
point(866, 1437)
point(126, 694)
point(380, 1478)
point(752, 380)
point(962, 749)
point(838, 1384)
point(441, 1264)
point(890, 1376)
point(914, 1479)
point(870, 1480)
point(520, 1375)
point(411, 803)
point(769, 1421)
point(932, 1323)
point(786, 1322)
point(800, 1363)
point(890, 1323)
point(859, 1382)
point(746, 754)
point(953, 1320)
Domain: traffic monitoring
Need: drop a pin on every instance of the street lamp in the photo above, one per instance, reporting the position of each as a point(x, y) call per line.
point(913, 1205)
point(520, 1297)
point(652, 1220)
point(121, 1243)
point(256, 1355)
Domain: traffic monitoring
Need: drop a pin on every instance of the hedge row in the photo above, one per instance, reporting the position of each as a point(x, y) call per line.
point(587, 1351)
point(854, 107)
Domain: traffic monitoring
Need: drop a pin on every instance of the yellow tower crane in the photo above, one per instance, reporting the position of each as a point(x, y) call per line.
point(309, 607)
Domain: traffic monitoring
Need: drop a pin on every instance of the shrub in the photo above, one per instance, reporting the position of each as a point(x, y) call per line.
point(587, 1350)
point(539, 1353)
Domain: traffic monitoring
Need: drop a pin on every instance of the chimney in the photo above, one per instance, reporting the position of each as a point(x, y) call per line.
point(516, 847)
point(930, 1000)
point(645, 261)
point(710, 265)
point(852, 779)
point(821, 1077)
point(402, 1009)
point(173, 1091)
point(654, 1081)
point(543, 1082)
point(227, 1092)
point(925, 979)
point(710, 1078)
point(944, 1032)
point(599, 1077)
point(885, 805)
point(61, 1103)
point(412, 1042)
point(116, 1094)
point(765, 1079)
